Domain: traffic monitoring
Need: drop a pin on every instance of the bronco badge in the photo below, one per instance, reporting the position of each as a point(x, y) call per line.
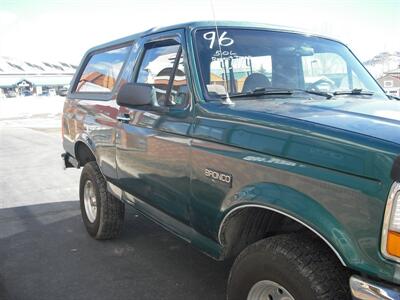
point(220, 176)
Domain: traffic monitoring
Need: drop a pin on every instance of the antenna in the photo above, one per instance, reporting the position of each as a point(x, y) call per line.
point(227, 99)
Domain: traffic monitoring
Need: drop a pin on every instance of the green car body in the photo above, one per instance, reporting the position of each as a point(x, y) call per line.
point(326, 165)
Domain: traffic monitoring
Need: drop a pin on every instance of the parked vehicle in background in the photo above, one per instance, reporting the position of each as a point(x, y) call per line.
point(52, 92)
point(26, 93)
point(11, 94)
point(63, 92)
point(263, 144)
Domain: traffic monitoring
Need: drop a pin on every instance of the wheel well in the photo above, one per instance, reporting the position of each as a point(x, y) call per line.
point(83, 154)
point(247, 225)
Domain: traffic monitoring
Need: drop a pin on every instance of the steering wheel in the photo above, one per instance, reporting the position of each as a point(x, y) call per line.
point(323, 81)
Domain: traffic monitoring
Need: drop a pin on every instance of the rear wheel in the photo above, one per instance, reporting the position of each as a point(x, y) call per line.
point(287, 267)
point(102, 213)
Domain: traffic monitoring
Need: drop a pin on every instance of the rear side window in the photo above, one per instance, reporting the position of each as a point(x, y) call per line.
point(102, 71)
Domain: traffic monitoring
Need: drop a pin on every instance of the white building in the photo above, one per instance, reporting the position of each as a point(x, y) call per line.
point(36, 77)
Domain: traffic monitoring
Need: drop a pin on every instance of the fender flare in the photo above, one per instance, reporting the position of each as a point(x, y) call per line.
point(298, 207)
point(87, 141)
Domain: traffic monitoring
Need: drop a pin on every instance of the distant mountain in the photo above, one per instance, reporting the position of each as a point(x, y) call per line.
point(383, 62)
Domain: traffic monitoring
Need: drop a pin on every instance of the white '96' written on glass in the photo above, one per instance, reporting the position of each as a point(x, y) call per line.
point(223, 40)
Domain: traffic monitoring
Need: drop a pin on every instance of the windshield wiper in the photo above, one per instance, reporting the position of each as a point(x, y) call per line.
point(265, 91)
point(328, 95)
point(261, 92)
point(318, 93)
point(391, 97)
point(354, 92)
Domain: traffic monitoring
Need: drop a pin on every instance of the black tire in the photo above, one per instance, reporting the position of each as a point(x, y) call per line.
point(302, 265)
point(110, 212)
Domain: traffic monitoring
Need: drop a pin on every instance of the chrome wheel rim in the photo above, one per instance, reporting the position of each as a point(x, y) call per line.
point(268, 290)
point(89, 199)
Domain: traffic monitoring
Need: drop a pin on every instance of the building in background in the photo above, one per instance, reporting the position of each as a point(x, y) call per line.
point(24, 78)
point(382, 63)
point(390, 82)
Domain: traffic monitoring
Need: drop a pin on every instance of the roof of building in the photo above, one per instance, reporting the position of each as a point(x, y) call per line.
point(14, 66)
point(55, 80)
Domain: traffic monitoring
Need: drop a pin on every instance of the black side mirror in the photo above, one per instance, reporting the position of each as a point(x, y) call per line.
point(135, 94)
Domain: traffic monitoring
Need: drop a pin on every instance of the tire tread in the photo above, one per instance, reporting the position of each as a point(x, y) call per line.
point(310, 257)
point(112, 210)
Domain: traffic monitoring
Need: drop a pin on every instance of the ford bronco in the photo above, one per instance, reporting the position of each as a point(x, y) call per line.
point(266, 145)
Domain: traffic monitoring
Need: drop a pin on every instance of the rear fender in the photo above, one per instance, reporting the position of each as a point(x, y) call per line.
point(87, 141)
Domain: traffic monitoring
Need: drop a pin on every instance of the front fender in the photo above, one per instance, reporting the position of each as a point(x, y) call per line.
point(313, 215)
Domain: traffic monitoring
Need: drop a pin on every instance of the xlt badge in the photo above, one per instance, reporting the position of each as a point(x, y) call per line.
point(218, 175)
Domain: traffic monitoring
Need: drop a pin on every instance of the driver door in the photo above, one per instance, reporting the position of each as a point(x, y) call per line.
point(152, 149)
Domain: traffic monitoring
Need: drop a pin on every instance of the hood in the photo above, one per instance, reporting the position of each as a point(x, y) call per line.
point(372, 117)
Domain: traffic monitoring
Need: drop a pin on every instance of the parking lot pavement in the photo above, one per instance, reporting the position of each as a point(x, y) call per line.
point(45, 252)
point(30, 168)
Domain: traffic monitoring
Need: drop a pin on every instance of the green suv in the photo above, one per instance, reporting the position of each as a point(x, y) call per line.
point(266, 145)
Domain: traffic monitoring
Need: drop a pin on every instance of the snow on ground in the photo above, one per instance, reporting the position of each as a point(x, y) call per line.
point(32, 112)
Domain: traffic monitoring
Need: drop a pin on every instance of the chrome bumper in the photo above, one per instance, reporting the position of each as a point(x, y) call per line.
point(364, 289)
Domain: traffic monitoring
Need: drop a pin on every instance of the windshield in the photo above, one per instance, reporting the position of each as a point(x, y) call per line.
point(238, 61)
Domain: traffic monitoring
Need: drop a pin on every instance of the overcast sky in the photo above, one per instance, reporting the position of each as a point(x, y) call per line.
point(65, 29)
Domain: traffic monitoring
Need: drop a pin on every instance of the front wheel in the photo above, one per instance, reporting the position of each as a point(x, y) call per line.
point(287, 267)
point(102, 213)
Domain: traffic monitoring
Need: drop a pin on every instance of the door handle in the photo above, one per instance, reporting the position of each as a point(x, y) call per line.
point(125, 118)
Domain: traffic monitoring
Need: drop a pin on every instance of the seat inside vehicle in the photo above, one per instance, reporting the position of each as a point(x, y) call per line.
point(255, 80)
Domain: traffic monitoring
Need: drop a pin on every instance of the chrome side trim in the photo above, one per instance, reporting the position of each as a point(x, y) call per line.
point(114, 190)
point(363, 289)
point(282, 213)
point(386, 220)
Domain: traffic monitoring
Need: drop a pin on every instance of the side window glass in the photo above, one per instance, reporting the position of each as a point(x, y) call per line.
point(102, 71)
point(157, 69)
